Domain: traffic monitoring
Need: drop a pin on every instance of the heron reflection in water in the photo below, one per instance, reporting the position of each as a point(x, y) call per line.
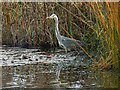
point(65, 42)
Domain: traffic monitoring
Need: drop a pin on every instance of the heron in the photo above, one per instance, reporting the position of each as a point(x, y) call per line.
point(65, 42)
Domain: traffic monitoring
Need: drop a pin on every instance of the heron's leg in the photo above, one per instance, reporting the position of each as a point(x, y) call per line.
point(65, 49)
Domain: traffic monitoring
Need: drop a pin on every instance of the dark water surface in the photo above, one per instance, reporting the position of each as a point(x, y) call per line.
point(32, 68)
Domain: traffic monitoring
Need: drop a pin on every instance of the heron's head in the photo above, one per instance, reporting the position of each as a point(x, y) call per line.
point(53, 16)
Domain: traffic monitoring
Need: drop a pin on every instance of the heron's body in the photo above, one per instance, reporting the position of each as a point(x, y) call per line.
point(65, 42)
point(70, 44)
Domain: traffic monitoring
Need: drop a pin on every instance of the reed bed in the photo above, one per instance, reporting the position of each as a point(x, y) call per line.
point(106, 29)
point(24, 24)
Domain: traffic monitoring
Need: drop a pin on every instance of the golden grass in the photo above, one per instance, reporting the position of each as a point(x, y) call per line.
point(107, 18)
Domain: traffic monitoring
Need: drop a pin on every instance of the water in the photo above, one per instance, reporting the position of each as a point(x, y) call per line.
point(32, 68)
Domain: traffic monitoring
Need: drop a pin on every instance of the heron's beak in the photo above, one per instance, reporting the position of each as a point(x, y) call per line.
point(49, 17)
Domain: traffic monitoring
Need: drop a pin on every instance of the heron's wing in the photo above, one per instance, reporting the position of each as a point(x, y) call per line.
point(69, 43)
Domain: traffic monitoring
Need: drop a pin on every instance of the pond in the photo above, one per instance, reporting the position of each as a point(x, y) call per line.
point(33, 68)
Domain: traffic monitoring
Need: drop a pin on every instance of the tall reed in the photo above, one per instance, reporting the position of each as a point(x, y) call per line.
point(106, 28)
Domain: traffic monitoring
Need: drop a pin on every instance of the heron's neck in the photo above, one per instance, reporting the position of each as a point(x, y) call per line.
point(57, 32)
